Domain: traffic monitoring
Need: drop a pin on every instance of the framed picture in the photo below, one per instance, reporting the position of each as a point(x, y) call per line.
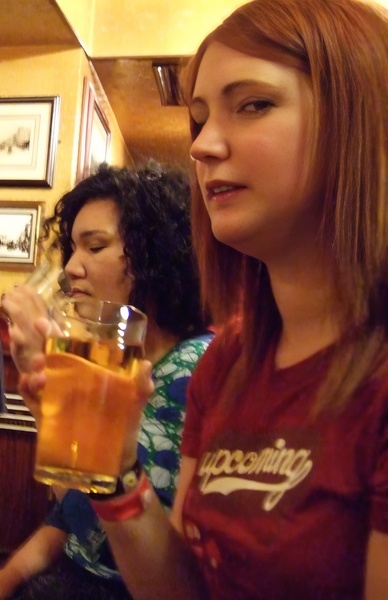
point(28, 141)
point(95, 134)
point(19, 233)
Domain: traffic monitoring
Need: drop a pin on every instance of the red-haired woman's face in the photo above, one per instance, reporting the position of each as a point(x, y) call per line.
point(252, 152)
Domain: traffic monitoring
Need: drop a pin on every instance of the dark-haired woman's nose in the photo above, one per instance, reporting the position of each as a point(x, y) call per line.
point(75, 268)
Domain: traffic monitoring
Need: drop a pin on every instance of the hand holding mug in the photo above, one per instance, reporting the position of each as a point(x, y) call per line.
point(24, 304)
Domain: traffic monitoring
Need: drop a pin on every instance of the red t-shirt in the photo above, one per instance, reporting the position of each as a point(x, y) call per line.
point(281, 508)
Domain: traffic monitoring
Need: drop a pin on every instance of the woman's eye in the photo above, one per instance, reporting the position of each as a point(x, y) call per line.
point(96, 249)
point(255, 106)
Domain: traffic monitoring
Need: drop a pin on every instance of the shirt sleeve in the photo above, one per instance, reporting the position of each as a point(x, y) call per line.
point(189, 445)
point(55, 518)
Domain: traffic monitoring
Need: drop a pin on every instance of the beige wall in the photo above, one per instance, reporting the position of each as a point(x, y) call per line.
point(52, 71)
point(143, 28)
point(146, 28)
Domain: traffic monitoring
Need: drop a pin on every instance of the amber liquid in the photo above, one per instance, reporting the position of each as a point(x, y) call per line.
point(86, 410)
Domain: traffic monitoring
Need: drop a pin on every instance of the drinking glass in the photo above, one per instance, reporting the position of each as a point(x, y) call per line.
point(92, 352)
point(50, 282)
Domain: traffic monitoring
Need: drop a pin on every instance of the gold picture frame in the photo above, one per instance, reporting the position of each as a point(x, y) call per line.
point(19, 234)
point(28, 141)
point(95, 134)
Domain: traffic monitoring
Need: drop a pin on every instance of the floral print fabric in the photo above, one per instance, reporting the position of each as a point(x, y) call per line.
point(163, 417)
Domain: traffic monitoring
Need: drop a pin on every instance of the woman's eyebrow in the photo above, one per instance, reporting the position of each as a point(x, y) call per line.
point(90, 232)
point(229, 88)
point(265, 86)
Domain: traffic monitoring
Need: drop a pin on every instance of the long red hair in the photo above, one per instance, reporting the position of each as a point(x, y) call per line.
point(343, 46)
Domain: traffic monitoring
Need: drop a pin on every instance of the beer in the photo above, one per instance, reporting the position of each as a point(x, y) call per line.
point(86, 402)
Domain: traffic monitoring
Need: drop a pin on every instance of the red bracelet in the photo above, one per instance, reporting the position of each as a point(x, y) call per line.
point(129, 505)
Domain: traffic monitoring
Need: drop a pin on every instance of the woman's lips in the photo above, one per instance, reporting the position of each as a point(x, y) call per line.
point(76, 293)
point(222, 191)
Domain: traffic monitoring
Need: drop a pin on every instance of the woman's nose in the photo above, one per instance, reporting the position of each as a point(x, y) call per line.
point(210, 143)
point(74, 267)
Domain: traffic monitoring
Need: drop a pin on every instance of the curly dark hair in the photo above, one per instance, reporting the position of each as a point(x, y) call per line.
point(154, 207)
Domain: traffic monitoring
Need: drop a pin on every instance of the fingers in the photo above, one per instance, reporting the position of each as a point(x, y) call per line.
point(47, 328)
point(143, 382)
point(16, 300)
point(42, 326)
point(38, 363)
point(32, 383)
point(24, 306)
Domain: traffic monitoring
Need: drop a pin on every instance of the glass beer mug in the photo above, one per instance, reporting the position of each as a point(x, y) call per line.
point(92, 352)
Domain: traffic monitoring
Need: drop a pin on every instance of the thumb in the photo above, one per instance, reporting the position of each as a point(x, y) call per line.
point(42, 325)
point(47, 327)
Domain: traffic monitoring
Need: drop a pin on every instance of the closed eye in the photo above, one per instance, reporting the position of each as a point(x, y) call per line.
point(97, 249)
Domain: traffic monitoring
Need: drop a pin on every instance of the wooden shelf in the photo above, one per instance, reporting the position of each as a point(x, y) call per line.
point(17, 417)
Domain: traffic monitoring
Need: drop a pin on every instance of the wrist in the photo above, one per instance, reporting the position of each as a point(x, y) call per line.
point(132, 502)
point(10, 579)
point(126, 482)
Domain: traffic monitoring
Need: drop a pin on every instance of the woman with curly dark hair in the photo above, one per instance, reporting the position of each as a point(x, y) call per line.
point(153, 205)
point(124, 235)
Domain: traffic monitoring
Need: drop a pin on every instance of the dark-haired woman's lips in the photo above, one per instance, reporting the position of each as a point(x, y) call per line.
point(77, 293)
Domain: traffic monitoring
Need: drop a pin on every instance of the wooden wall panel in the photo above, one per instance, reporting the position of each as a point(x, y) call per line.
point(23, 502)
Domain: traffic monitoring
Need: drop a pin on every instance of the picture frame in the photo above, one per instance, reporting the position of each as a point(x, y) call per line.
point(19, 234)
point(28, 140)
point(95, 134)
